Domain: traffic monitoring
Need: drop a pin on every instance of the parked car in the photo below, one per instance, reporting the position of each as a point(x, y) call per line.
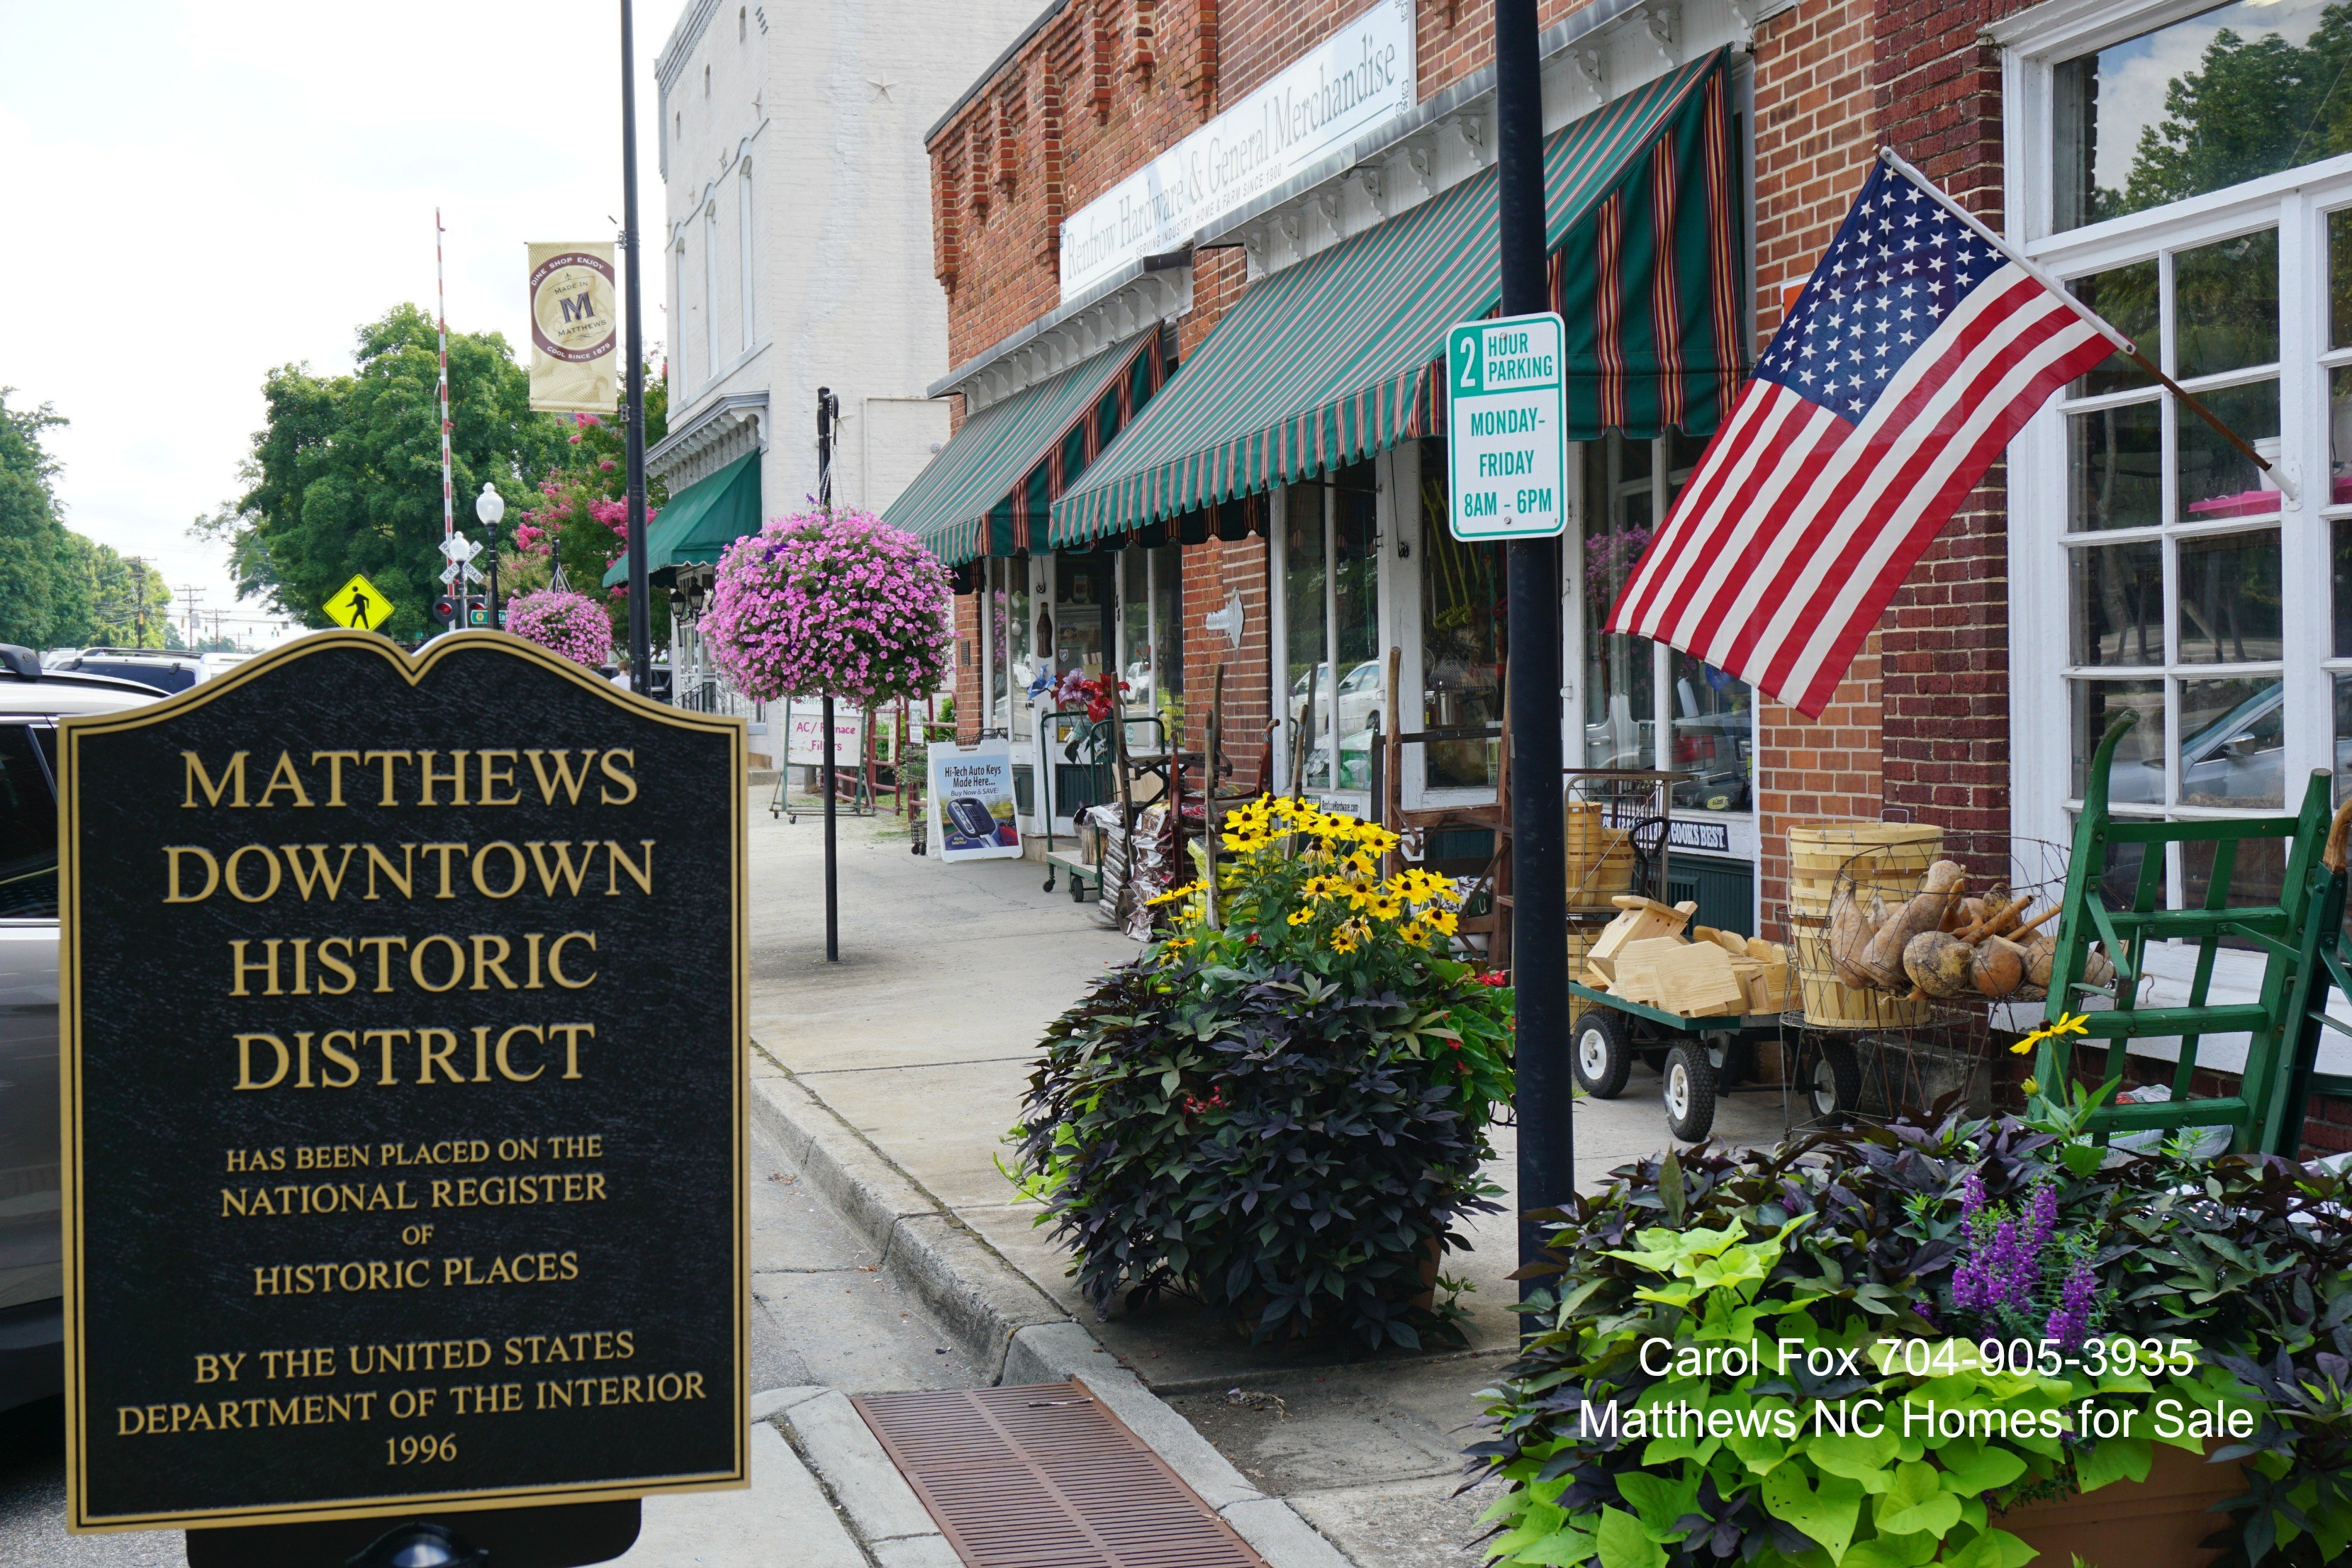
point(164, 669)
point(32, 700)
point(2237, 760)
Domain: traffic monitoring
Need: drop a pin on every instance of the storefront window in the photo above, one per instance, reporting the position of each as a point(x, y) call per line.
point(1082, 605)
point(1330, 595)
point(993, 646)
point(1355, 623)
point(1019, 645)
point(2235, 93)
point(1708, 715)
point(1462, 638)
point(1619, 673)
point(1306, 649)
point(1151, 622)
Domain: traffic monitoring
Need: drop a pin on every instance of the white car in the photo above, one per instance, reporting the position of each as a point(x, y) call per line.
point(32, 700)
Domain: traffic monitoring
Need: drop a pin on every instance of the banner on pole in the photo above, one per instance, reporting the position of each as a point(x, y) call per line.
point(574, 311)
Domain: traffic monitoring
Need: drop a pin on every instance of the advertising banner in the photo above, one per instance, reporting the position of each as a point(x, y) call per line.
point(404, 1164)
point(972, 803)
point(574, 344)
point(804, 735)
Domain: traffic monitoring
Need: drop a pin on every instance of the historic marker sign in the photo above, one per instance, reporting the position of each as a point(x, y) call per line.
point(1506, 428)
point(404, 1071)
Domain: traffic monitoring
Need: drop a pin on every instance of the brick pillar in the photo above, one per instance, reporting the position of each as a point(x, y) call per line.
point(1213, 572)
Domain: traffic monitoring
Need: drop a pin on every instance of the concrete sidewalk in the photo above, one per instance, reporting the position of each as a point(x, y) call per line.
point(905, 1064)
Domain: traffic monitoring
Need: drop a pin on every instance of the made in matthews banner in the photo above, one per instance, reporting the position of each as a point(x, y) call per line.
point(573, 306)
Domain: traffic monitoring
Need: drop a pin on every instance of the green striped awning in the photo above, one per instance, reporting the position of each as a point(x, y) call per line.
point(701, 522)
point(1329, 359)
point(1036, 438)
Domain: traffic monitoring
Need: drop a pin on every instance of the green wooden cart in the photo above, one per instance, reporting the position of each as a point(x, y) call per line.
point(1697, 1059)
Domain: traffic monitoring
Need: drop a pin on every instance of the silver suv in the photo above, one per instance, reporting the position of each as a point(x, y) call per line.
point(32, 700)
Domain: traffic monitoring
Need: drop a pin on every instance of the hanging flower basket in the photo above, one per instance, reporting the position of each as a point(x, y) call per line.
point(562, 621)
point(830, 604)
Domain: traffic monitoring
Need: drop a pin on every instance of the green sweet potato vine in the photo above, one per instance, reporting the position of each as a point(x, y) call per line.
point(1846, 1240)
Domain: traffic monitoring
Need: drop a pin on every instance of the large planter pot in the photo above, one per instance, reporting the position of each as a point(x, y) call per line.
point(2154, 1523)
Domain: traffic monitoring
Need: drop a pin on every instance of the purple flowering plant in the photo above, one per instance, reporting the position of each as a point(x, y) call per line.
point(2018, 1274)
point(833, 603)
point(573, 624)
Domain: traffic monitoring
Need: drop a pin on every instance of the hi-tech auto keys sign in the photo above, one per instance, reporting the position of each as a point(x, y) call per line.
point(1506, 428)
point(403, 1077)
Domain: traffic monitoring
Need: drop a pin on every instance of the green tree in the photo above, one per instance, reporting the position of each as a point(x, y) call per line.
point(346, 475)
point(36, 597)
point(579, 522)
point(2254, 106)
point(58, 588)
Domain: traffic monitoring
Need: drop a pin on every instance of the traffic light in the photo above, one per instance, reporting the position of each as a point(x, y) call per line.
point(444, 608)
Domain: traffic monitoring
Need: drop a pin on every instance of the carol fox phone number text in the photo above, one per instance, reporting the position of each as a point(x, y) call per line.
point(2116, 1357)
point(1870, 1417)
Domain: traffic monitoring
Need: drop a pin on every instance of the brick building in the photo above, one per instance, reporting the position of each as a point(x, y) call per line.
point(2120, 558)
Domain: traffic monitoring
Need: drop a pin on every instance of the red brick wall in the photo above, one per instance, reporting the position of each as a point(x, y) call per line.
point(1212, 571)
point(1945, 645)
point(1816, 113)
point(998, 254)
point(969, 700)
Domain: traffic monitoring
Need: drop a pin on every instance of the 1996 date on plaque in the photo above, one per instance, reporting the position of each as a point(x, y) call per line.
point(402, 1070)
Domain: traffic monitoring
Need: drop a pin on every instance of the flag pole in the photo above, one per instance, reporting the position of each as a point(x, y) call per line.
point(2123, 345)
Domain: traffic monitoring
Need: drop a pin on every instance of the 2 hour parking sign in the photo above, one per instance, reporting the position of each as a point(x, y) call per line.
point(1506, 428)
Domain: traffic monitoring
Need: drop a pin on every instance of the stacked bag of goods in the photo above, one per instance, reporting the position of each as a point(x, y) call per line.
point(1642, 956)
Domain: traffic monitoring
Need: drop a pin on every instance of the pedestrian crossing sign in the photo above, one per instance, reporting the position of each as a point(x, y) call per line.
point(358, 605)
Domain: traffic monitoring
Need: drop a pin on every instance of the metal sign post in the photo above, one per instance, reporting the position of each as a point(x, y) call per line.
point(1538, 857)
point(640, 596)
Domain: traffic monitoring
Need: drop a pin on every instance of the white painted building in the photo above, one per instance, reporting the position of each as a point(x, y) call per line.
point(796, 235)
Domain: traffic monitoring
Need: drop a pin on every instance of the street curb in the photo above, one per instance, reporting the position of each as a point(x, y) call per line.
point(1016, 1332)
point(980, 1298)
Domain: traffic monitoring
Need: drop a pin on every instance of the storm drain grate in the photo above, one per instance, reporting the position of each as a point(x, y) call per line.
point(1043, 1475)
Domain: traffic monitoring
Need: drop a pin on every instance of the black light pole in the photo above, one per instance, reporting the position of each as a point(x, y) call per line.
point(828, 408)
point(1538, 860)
point(641, 657)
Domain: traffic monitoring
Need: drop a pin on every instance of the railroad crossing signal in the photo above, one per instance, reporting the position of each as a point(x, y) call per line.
point(359, 604)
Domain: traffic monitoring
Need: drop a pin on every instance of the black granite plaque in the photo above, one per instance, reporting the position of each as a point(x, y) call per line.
point(404, 1078)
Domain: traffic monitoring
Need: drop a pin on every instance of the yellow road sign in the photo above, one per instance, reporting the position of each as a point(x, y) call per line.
point(358, 605)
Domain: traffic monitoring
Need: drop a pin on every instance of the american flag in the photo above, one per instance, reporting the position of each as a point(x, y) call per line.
point(1914, 353)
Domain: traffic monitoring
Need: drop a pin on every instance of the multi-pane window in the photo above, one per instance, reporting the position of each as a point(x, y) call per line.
point(2159, 568)
point(2173, 534)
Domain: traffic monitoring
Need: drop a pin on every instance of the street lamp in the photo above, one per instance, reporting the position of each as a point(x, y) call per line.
point(489, 506)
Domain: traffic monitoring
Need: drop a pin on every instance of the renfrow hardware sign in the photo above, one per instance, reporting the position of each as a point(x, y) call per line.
point(403, 1072)
point(1360, 76)
point(1506, 428)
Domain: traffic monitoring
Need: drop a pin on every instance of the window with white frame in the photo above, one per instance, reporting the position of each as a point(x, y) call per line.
point(710, 288)
point(747, 274)
point(2183, 170)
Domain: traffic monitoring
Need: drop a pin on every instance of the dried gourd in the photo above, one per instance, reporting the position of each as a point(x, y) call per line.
point(1850, 930)
point(1996, 966)
point(1882, 960)
point(1938, 963)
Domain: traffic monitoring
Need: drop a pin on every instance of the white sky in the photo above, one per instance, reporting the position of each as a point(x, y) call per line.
point(196, 192)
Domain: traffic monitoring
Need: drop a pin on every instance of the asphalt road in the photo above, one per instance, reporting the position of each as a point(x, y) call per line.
point(823, 1313)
